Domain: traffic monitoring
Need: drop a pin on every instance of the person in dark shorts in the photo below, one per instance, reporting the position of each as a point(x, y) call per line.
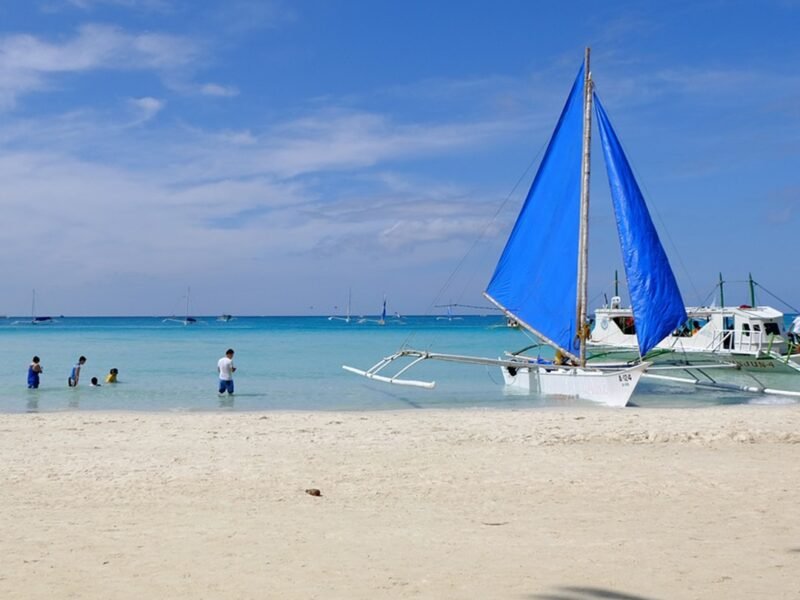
point(226, 370)
point(75, 375)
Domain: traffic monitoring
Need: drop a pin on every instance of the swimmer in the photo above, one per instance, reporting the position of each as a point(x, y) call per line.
point(112, 376)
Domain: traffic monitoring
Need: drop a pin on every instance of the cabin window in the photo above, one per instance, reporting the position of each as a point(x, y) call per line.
point(746, 329)
point(757, 327)
point(625, 325)
point(772, 329)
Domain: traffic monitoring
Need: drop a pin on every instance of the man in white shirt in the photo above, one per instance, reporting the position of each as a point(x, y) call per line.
point(226, 370)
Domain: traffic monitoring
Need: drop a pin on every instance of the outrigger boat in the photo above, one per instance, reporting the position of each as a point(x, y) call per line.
point(382, 319)
point(347, 317)
point(746, 347)
point(540, 280)
point(753, 338)
point(749, 337)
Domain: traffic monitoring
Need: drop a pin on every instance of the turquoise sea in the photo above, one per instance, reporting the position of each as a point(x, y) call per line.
point(284, 363)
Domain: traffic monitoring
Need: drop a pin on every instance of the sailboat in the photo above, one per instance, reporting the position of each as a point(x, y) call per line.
point(186, 320)
point(450, 316)
point(541, 278)
point(347, 317)
point(38, 320)
point(381, 320)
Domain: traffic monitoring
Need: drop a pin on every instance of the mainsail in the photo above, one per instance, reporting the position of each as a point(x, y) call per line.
point(536, 277)
point(655, 299)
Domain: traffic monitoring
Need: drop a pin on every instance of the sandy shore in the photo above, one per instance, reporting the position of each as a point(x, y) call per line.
point(552, 504)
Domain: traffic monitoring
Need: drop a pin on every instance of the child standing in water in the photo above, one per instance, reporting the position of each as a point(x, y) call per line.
point(34, 369)
point(75, 375)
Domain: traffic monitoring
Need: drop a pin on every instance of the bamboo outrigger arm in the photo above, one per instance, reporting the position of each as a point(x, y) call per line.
point(418, 356)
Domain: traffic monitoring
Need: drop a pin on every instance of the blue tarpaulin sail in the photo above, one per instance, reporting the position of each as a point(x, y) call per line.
point(536, 276)
point(657, 305)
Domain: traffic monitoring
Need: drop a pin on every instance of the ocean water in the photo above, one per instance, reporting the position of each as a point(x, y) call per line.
point(284, 363)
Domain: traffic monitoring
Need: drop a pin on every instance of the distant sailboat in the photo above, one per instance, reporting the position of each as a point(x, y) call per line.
point(449, 316)
point(186, 320)
point(35, 319)
point(381, 320)
point(540, 280)
point(347, 317)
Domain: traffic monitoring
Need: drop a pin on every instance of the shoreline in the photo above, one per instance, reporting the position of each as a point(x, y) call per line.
point(436, 503)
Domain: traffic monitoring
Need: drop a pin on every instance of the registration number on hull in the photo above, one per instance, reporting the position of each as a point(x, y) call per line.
point(756, 364)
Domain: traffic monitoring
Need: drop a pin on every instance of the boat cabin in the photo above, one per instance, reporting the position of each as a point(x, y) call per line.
point(743, 329)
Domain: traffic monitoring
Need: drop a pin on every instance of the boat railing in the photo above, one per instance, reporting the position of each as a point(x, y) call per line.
point(757, 342)
point(743, 340)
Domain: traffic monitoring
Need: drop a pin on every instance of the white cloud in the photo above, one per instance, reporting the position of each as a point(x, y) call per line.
point(215, 89)
point(94, 46)
point(238, 138)
point(27, 61)
point(331, 141)
point(146, 108)
point(203, 203)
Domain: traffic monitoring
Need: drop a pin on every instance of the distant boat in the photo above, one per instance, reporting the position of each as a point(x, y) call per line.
point(347, 317)
point(35, 320)
point(449, 316)
point(541, 277)
point(187, 320)
point(225, 318)
point(382, 320)
point(184, 321)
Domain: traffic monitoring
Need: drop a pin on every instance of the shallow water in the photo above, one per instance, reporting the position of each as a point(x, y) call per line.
point(288, 363)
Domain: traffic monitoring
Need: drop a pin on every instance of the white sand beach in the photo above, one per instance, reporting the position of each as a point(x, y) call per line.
point(563, 504)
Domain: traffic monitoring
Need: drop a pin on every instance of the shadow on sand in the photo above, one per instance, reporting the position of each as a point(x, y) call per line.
point(586, 593)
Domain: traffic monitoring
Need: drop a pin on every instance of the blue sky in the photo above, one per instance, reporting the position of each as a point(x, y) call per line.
point(273, 155)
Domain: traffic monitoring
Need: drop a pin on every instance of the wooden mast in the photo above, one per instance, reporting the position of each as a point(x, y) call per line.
point(583, 241)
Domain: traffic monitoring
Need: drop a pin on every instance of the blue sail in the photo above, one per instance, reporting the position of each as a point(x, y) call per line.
point(536, 277)
point(657, 305)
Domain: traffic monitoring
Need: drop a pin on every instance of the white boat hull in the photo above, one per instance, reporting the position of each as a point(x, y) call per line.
point(611, 387)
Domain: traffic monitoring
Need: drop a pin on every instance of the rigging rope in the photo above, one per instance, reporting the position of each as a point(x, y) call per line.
point(776, 298)
point(437, 298)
